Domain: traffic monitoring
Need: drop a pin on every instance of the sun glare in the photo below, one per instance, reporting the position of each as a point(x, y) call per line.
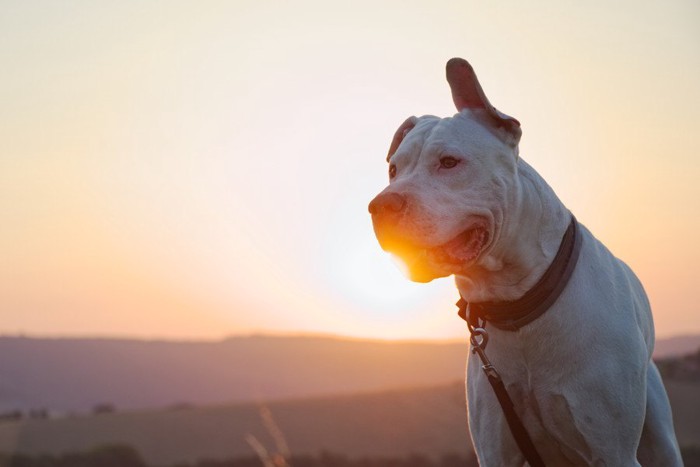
point(373, 281)
point(400, 264)
point(210, 183)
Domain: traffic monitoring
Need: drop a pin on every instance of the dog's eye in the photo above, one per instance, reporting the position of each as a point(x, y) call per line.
point(448, 162)
point(392, 171)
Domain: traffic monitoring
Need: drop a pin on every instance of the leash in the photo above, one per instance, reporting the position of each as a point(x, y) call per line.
point(513, 315)
point(478, 339)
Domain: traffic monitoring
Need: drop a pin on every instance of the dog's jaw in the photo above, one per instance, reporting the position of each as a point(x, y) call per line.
point(457, 256)
point(465, 248)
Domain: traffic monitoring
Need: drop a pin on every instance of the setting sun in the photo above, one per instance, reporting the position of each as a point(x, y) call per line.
point(176, 171)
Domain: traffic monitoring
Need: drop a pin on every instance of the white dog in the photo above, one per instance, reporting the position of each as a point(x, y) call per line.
point(570, 326)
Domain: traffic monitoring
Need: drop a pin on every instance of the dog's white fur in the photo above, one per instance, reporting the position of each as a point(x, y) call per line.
point(581, 375)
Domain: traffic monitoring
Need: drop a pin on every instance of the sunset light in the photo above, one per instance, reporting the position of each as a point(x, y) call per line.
point(182, 170)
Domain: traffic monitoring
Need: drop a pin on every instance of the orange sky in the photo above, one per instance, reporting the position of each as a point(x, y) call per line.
point(193, 170)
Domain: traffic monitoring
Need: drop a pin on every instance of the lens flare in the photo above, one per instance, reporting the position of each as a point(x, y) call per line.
point(400, 264)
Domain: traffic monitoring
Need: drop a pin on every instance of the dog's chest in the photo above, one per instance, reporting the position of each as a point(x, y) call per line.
point(547, 412)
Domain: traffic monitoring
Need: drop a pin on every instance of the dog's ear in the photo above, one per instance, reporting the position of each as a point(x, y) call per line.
point(468, 94)
point(405, 127)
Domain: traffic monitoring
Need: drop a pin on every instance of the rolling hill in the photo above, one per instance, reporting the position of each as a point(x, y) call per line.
point(75, 375)
point(429, 421)
point(65, 375)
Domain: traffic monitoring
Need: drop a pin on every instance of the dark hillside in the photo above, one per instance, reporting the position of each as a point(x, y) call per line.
point(64, 375)
point(78, 374)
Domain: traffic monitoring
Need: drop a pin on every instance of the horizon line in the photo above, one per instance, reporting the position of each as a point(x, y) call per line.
point(261, 334)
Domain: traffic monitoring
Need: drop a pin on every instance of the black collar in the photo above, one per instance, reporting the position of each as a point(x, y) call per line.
point(511, 316)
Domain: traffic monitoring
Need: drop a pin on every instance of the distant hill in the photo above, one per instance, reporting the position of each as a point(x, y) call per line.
point(685, 368)
point(676, 346)
point(429, 421)
point(78, 374)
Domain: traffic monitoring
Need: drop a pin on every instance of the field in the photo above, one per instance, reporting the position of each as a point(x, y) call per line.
point(429, 421)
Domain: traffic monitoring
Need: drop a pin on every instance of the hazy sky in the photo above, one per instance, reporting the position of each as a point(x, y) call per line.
point(199, 169)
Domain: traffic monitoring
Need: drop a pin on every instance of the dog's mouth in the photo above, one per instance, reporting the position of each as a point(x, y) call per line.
point(457, 255)
point(464, 249)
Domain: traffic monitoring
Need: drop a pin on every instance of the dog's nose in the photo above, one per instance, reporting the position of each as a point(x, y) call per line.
point(387, 202)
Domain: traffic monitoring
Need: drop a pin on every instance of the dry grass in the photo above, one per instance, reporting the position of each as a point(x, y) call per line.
point(276, 459)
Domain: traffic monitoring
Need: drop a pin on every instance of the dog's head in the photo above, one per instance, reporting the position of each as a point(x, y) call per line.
point(450, 181)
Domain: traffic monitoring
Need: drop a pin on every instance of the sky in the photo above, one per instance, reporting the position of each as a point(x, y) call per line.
point(194, 170)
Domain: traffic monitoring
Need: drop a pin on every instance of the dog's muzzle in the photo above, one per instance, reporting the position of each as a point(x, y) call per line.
point(409, 240)
point(388, 209)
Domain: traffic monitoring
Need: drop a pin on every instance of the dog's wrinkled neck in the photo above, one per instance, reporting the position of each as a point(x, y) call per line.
point(527, 242)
